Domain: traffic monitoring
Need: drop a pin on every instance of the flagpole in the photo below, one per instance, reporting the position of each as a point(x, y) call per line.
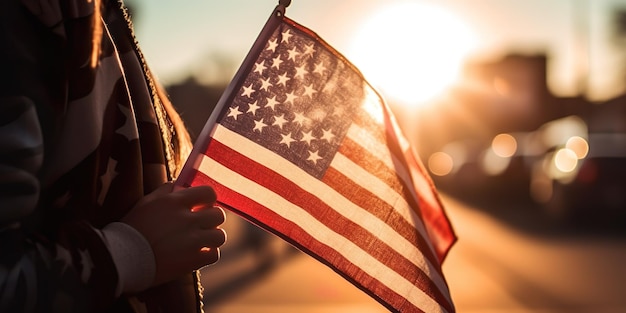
point(203, 140)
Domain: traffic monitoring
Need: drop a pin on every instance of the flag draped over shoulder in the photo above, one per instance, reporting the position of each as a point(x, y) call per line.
point(301, 145)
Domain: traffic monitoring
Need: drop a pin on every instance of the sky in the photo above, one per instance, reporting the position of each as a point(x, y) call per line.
point(179, 36)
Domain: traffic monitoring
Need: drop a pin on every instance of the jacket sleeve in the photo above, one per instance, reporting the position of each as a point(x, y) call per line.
point(69, 267)
point(45, 266)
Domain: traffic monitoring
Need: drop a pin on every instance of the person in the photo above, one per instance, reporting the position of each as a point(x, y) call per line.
point(90, 220)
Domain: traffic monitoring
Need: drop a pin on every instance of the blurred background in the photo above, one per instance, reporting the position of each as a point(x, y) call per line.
point(517, 109)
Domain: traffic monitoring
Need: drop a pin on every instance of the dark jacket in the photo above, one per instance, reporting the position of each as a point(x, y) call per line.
point(84, 134)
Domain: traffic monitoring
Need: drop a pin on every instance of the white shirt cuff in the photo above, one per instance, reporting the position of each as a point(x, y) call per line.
point(132, 255)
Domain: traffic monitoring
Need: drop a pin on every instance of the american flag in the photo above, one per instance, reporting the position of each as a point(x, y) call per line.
point(301, 145)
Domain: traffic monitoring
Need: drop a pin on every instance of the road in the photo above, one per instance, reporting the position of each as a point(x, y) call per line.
point(495, 266)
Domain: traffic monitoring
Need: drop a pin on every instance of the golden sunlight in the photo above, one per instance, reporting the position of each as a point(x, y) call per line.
point(411, 52)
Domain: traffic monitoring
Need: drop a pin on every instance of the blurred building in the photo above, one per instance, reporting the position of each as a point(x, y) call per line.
point(195, 102)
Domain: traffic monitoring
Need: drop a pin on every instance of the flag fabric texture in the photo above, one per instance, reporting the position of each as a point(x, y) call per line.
point(301, 145)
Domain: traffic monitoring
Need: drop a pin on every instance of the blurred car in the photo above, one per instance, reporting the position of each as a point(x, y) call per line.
point(594, 190)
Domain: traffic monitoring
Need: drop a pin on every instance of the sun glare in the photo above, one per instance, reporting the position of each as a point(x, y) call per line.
point(411, 52)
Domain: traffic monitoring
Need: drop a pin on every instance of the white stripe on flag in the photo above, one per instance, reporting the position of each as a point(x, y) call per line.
point(329, 196)
point(320, 232)
point(370, 143)
point(380, 151)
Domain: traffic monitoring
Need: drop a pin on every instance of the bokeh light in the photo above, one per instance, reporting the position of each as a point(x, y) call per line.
point(440, 163)
point(578, 145)
point(565, 160)
point(504, 145)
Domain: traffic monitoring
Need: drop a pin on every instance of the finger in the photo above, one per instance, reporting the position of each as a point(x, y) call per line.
point(200, 207)
point(211, 238)
point(169, 268)
point(209, 255)
point(195, 196)
point(209, 218)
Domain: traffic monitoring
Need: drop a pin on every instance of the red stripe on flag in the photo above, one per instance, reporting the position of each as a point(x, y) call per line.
point(440, 230)
point(376, 167)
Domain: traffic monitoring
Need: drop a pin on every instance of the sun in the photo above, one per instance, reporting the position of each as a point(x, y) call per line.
point(411, 52)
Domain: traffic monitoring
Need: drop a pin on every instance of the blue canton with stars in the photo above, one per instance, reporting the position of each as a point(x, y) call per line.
point(297, 100)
